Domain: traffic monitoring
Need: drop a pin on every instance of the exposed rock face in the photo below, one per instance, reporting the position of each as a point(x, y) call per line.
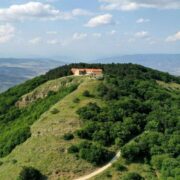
point(43, 91)
point(28, 99)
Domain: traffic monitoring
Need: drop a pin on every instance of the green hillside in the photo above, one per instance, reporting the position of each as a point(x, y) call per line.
point(67, 127)
point(46, 148)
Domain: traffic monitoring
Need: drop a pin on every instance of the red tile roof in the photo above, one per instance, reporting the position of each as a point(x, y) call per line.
point(86, 69)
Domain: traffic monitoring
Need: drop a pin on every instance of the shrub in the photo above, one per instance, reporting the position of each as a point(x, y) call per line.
point(119, 142)
point(94, 153)
point(50, 93)
point(157, 160)
point(131, 151)
point(89, 112)
point(132, 176)
point(1, 163)
point(170, 167)
point(76, 100)
point(73, 149)
point(119, 167)
point(30, 173)
point(86, 93)
point(68, 136)
point(54, 111)
point(14, 161)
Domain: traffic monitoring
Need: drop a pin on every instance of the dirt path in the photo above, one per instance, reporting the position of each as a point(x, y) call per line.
point(100, 170)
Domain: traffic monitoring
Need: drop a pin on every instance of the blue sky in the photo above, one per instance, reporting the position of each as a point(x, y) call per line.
point(88, 29)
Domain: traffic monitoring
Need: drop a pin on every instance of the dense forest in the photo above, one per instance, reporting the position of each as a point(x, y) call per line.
point(140, 117)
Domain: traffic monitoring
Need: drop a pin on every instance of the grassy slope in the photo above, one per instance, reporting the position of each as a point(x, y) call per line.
point(46, 150)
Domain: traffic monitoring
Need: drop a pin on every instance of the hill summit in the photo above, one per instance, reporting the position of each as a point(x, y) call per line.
point(62, 126)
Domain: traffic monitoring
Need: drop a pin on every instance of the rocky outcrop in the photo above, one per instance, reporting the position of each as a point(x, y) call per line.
point(45, 89)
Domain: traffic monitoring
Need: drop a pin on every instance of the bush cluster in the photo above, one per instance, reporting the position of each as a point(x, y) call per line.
point(132, 176)
point(54, 111)
point(92, 152)
point(68, 136)
point(30, 173)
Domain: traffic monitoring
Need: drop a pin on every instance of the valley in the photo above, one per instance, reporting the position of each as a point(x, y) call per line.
point(15, 71)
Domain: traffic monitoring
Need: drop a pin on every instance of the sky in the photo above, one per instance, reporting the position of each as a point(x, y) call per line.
point(88, 29)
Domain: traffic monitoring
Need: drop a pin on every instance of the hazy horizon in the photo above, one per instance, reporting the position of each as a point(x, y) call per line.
point(86, 60)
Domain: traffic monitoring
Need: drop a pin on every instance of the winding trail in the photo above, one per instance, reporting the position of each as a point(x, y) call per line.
point(100, 170)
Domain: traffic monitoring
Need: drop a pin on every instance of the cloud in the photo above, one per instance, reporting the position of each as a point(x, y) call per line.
point(142, 34)
point(32, 10)
point(128, 5)
point(100, 20)
point(35, 40)
point(173, 38)
point(51, 32)
point(7, 32)
point(38, 11)
point(51, 1)
point(53, 42)
point(131, 40)
point(79, 36)
point(38, 40)
point(113, 32)
point(142, 20)
point(81, 12)
point(97, 35)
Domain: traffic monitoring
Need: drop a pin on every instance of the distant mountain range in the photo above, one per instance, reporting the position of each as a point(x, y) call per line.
point(164, 62)
point(15, 71)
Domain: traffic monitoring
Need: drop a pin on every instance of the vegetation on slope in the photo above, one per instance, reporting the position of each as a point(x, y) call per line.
point(169, 86)
point(46, 149)
point(10, 97)
point(31, 174)
point(138, 116)
point(45, 89)
point(15, 125)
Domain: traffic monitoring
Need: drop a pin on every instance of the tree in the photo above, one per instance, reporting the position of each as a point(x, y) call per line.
point(119, 166)
point(73, 149)
point(169, 167)
point(174, 145)
point(89, 112)
point(95, 154)
point(68, 136)
point(132, 176)
point(86, 93)
point(157, 160)
point(30, 173)
point(131, 151)
point(102, 136)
